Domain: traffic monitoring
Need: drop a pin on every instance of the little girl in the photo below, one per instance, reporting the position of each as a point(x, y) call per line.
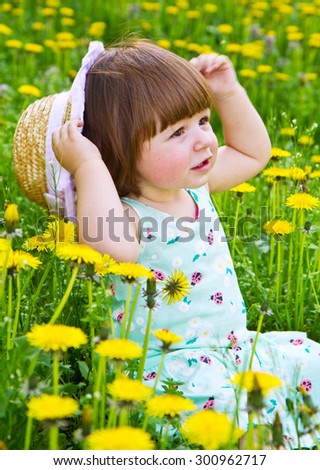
point(144, 169)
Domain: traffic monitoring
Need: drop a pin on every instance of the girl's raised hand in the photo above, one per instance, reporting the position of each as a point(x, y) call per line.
point(71, 148)
point(219, 72)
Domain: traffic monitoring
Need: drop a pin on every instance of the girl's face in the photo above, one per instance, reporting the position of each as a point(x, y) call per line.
point(181, 156)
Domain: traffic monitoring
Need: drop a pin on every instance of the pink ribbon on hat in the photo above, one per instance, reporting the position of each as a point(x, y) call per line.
point(61, 193)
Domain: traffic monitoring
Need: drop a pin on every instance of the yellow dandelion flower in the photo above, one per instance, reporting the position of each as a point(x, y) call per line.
point(167, 337)
point(250, 380)
point(295, 36)
point(66, 21)
point(210, 7)
point(172, 10)
point(48, 12)
point(164, 43)
point(120, 438)
point(97, 29)
point(247, 73)
point(146, 25)
point(5, 7)
point(302, 201)
point(56, 337)
point(297, 174)
point(66, 11)
point(168, 406)
point(29, 90)
point(244, 188)
point(125, 389)
point(148, 6)
point(131, 271)
point(282, 77)
point(51, 407)
point(292, 28)
point(276, 173)
point(306, 140)
point(290, 131)
point(119, 349)
point(19, 260)
point(38, 26)
point(193, 14)
point(182, 4)
point(105, 265)
point(176, 287)
point(209, 429)
point(64, 36)
point(315, 158)
point(194, 47)
point(57, 231)
point(277, 152)
point(180, 43)
point(33, 47)
point(5, 30)
point(233, 47)
point(78, 253)
point(279, 227)
point(225, 28)
point(314, 174)
point(14, 44)
point(4, 244)
point(264, 68)
point(253, 50)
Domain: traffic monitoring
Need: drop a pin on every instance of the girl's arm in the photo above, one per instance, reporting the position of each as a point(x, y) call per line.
point(247, 144)
point(102, 221)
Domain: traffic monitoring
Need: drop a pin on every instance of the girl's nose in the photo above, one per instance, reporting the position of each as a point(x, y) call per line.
point(203, 140)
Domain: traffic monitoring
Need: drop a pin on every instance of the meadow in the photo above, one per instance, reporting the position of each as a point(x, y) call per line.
point(54, 392)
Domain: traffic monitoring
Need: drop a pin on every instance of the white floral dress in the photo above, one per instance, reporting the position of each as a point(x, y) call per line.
point(211, 319)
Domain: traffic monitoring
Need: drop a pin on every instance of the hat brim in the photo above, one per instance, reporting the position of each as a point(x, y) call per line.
point(29, 148)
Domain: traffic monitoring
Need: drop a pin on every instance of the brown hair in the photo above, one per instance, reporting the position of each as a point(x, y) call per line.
point(132, 89)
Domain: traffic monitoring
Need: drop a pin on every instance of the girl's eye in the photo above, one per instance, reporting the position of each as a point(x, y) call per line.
point(204, 120)
point(178, 133)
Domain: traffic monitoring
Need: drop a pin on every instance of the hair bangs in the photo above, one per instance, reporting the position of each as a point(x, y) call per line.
point(177, 92)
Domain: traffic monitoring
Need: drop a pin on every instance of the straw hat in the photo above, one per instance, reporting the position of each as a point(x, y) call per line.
point(29, 147)
point(38, 173)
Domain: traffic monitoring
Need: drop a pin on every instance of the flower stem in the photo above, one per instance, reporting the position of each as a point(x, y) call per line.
point(235, 227)
point(4, 274)
point(27, 439)
point(159, 372)
point(9, 315)
point(98, 393)
point(55, 373)
point(91, 323)
point(279, 272)
point(66, 295)
point(109, 308)
point(299, 320)
point(145, 346)
point(35, 296)
point(53, 438)
point(133, 306)
point(290, 259)
point(17, 311)
point(255, 340)
point(125, 316)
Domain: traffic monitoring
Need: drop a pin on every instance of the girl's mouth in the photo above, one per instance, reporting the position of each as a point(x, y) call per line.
point(203, 166)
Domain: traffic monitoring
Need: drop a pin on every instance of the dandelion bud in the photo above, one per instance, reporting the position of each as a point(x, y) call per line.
point(255, 397)
point(307, 226)
point(86, 420)
point(11, 217)
point(151, 293)
point(277, 436)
